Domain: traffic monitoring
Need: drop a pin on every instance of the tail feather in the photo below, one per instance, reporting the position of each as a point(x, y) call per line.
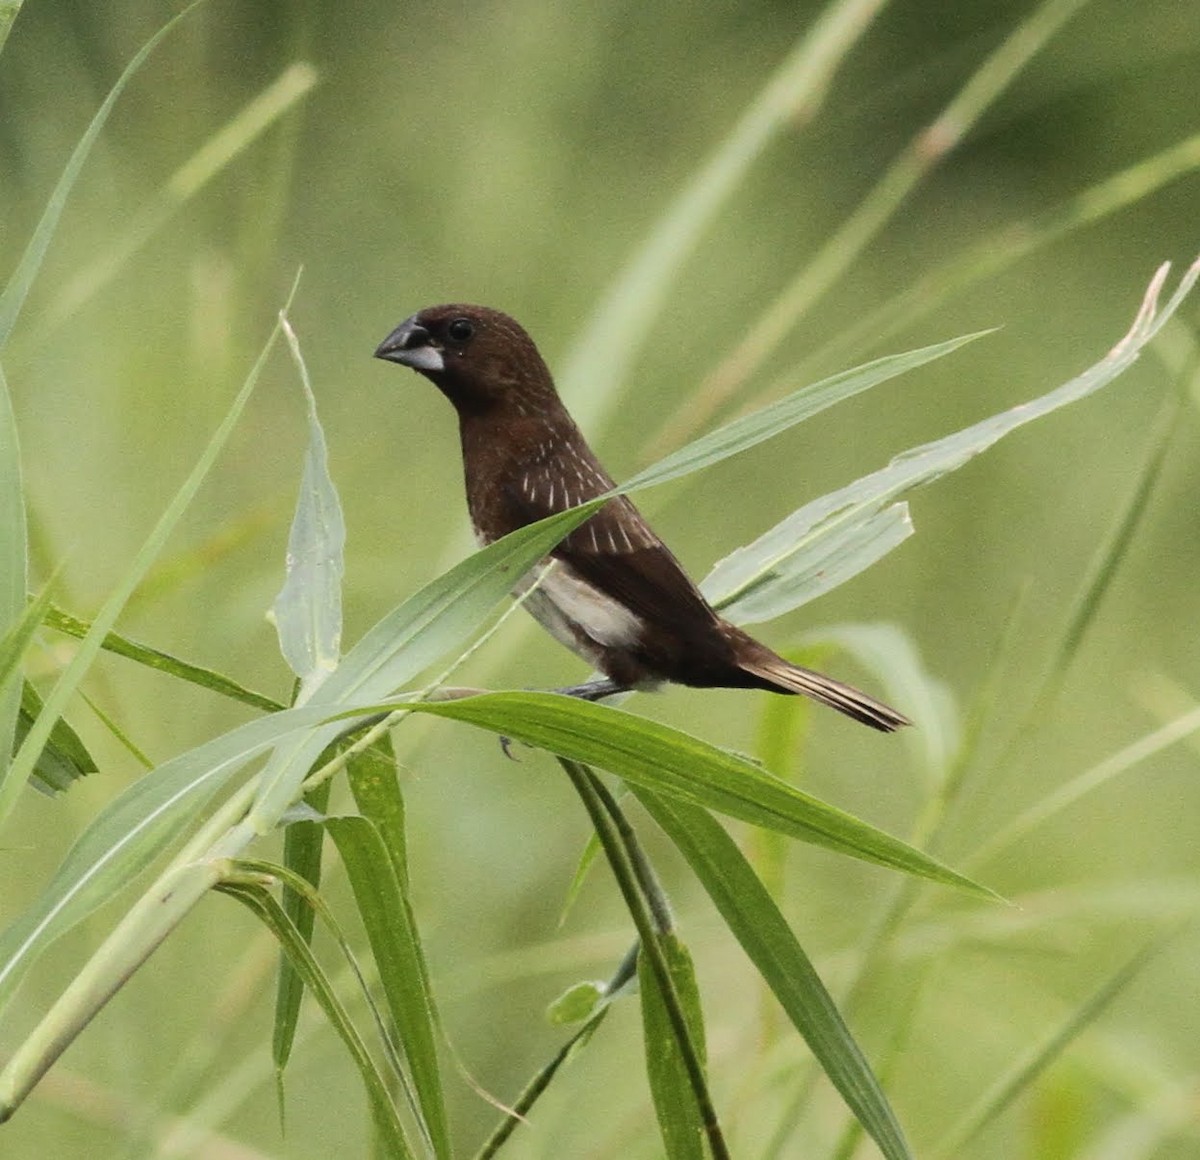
point(784, 677)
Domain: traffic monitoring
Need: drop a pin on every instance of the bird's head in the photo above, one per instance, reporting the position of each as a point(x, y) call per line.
point(478, 358)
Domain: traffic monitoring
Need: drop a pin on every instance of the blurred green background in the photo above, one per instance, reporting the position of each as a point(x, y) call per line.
point(516, 155)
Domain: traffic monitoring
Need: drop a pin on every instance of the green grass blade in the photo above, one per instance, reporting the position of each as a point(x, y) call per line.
point(212, 158)
point(1005, 247)
point(665, 760)
point(1026, 1069)
point(15, 292)
point(800, 558)
point(764, 934)
point(593, 373)
point(162, 662)
point(395, 944)
point(303, 847)
point(18, 773)
point(131, 831)
point(374, 777)
point(308, 610)
point(679, 1119)
point(863, 500)
point(383, 1112)
point(13, 555)
point(750, 430)
point(65, 759)
point(926, 150)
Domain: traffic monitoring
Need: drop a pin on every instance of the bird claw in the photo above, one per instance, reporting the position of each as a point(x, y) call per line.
point(506, 747)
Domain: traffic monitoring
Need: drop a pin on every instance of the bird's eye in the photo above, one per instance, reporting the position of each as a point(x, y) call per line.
point(461, 329)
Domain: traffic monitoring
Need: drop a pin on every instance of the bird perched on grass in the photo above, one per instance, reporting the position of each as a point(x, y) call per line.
point(615, 594)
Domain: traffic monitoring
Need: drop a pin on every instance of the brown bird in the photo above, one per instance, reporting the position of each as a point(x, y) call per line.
point(615, 594)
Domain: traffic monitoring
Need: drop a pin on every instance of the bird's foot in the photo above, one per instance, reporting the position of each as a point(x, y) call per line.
point(595, 690)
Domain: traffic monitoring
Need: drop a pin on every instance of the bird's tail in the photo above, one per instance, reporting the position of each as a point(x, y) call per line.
point(784, 677)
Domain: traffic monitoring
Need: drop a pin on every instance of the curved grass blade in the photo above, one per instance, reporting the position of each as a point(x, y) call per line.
point(665, 760)
point(263, 905)
point(764, 424)
point(395, 944)
point(757, 924)
point(215, 155)
point(64, 760)
point(15, 292)
point(8, 14)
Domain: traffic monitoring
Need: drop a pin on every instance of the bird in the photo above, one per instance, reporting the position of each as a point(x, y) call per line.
point(612, 592)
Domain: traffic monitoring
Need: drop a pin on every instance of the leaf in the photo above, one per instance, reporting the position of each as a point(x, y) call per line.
point(13, 557)
point(15, 292)
point(772, 420)
point(757, 924)
point(679, 1119)
point(162, 662)
point(383, 1112)
point(609, 346)
point(388, 920)
point(65, 758)
point(303, 846)
point(665, 760)
point(131, 831)
point(308, 610)
point(15, 777)
point(438, 618)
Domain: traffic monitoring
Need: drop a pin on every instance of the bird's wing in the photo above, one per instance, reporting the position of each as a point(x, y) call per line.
point(618, 553)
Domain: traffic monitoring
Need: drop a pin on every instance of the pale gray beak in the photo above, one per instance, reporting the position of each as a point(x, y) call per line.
point(411, 345)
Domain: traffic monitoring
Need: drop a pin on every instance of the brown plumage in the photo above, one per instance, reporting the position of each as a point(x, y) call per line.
point(616, 595)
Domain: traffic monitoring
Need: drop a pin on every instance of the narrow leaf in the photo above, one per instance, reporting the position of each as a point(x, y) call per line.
point(801, 558)
point(13, 552)
point(757, 427)
point(303, 846)
point(389, 924)
point(1035, 1061)
point(665, 760)
point(308, 611)
point(679, 1119)
point(18, 772)
point(757, 924)
point(65, 758)
point(383, 1112)
point(13, 297)
point(162, 662)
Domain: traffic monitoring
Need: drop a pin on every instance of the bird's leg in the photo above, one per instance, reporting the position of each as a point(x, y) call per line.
point(595, 690)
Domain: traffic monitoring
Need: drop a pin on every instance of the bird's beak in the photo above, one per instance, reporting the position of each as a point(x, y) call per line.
point(411, 345)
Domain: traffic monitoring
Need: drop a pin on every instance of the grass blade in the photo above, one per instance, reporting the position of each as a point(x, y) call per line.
point(214, 156)
point(308, 610)
point(383, 1112)
point(13, 550)
point(678, 1117)
point(764, 934)
point(594, 372)
point(303, 847)
point(65, 758)
point(755, 428)
point(15, 292)
point(665, 760)
point(1026, 1069)
point(162, 662)
point(17, 774)
point(395, 944)
point(8, 14)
